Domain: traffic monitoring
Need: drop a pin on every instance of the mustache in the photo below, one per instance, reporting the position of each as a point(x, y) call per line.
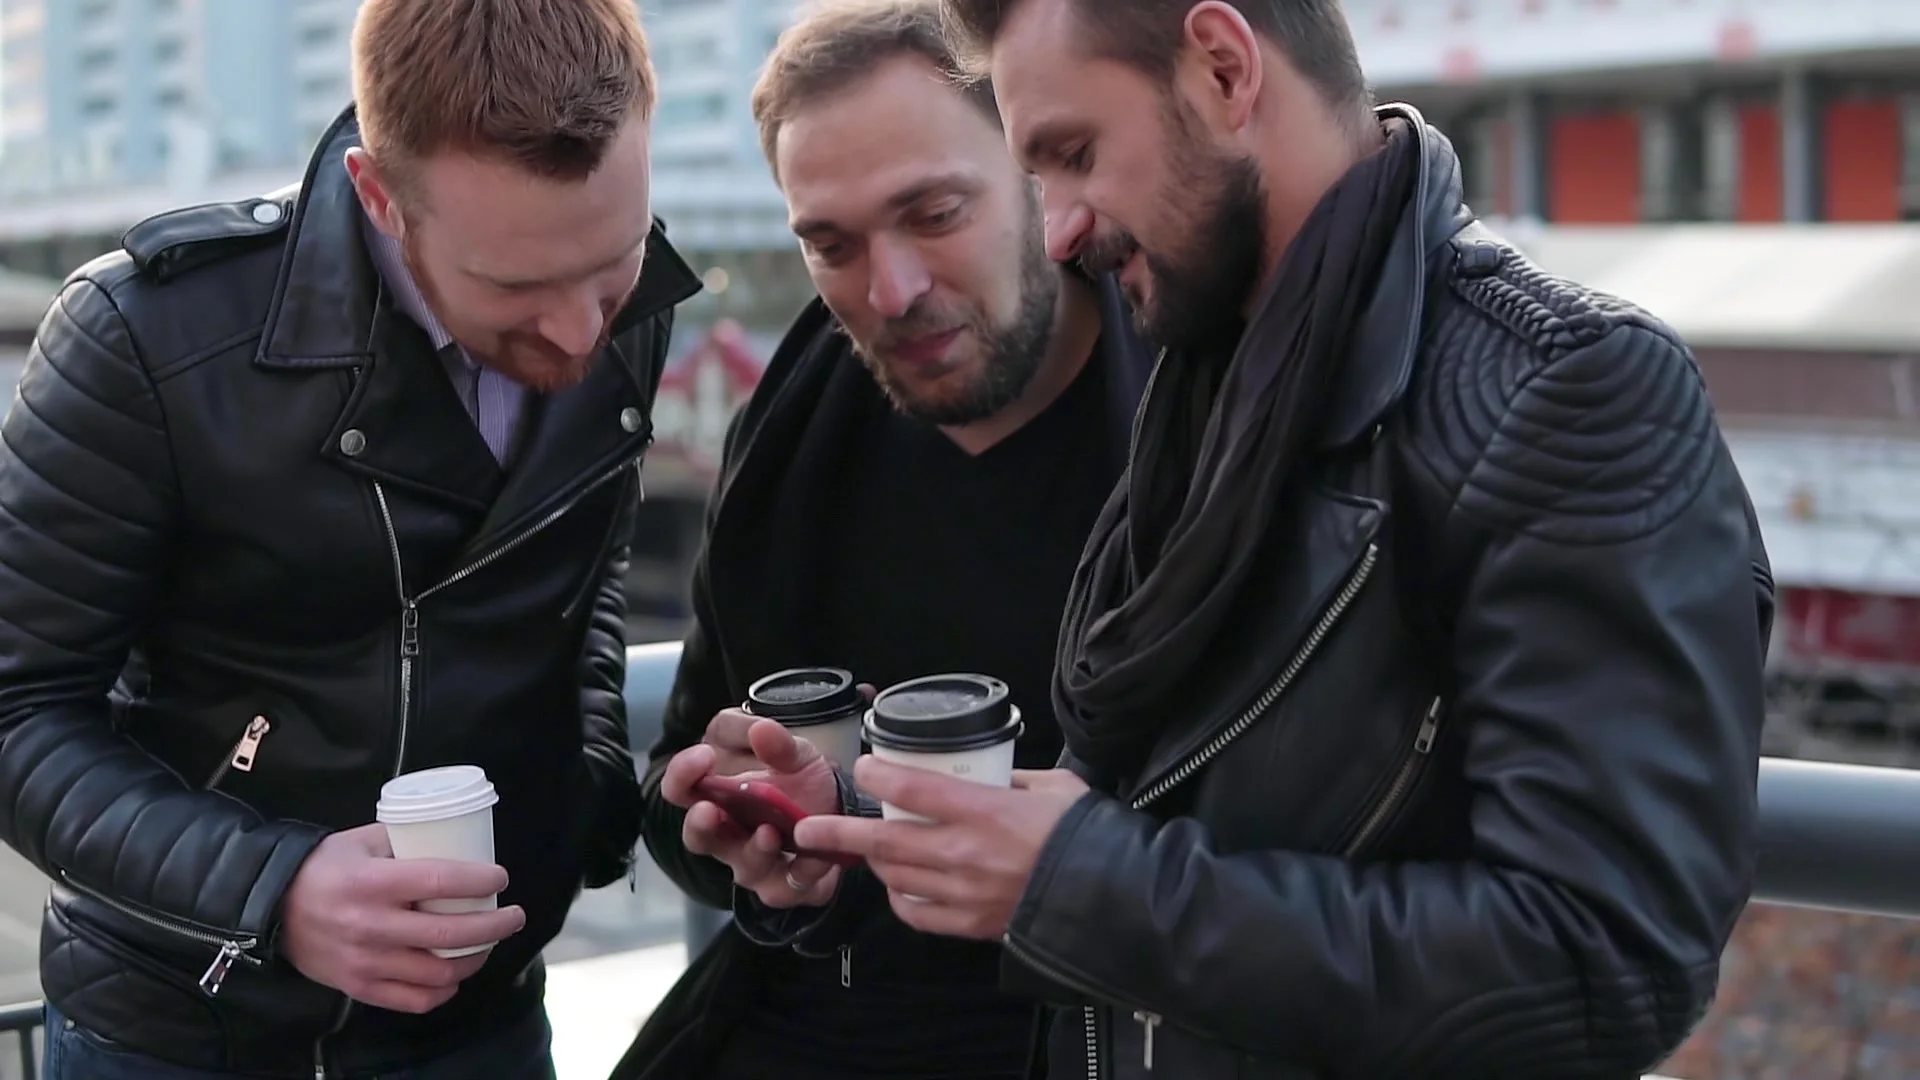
point(919, 322)
point(1105, 254)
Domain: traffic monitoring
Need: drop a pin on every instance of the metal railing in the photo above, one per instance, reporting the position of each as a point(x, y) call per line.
point(23, 1022)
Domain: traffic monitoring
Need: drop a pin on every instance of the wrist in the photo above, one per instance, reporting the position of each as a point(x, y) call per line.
point(853, 802)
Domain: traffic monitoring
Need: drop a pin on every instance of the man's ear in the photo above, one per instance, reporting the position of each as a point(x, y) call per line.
point(1224, 62)
point(376, 197)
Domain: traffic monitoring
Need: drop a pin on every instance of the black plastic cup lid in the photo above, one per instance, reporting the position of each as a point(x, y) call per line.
point(943, 712)
point(801, 696)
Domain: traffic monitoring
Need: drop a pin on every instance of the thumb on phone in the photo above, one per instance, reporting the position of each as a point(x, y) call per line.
point(778, 749)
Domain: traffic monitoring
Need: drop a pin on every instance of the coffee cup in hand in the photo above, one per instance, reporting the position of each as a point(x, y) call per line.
point(442, 813)
point(962, 725)
point(820, 705)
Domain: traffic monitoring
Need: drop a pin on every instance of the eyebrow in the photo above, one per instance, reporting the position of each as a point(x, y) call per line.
point(1043, 140)
point(959, 181)
point(535, 282)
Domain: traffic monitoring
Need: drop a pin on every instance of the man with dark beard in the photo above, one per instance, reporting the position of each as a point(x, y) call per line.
point(305, 491)
point(1412, 680)
point(915, 511)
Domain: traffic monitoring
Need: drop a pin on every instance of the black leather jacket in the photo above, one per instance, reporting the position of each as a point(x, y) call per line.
point(237, 484)
point(1470, 792)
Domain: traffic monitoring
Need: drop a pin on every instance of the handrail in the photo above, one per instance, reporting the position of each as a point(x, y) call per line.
point(23, 1020)
point(1838, 837)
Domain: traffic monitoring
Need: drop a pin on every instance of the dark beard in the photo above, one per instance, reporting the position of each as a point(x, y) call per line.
point(1013, 353)
point(1200, 282)
point(1200, 289)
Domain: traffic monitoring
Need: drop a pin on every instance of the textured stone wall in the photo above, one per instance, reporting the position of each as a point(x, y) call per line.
point(1811, 995)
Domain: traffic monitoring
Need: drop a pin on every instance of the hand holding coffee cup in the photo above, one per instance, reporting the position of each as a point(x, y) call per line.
point(801, 772)
point(355, 919)
point(443, 813)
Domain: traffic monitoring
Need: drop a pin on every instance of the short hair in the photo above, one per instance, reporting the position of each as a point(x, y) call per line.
point(542, 84)
point(837, 43)
point(1146, 35)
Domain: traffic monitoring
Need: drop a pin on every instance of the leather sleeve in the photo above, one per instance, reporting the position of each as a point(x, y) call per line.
point(615, 799)
point(1607, 661)
point(88, 524)
point(701, 688)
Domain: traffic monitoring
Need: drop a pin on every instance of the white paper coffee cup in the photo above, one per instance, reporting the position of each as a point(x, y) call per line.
point(442, 813)
point(990, 765)
point(961, 725)
point(839, 740)
point(821, 705)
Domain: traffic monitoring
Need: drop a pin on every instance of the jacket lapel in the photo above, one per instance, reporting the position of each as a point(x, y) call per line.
point(405, 426)
point(587, 433)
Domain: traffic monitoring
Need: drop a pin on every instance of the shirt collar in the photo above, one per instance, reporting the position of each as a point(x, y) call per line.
point(391, 263)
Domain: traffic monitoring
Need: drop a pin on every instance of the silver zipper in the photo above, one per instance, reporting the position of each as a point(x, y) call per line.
point(846, 966)
point(1403, 779)
point(1148, 1022)
point(319, 1053)
point(410, 605)
point(231, 946)
point(244, 751)
point(1090, 1017)
point(1328, 619)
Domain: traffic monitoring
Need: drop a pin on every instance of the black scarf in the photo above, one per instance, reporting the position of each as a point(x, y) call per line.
point(1211, 462)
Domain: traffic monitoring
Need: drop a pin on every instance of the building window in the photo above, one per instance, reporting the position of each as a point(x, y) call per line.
point(1721, 155)
point(1672, 163)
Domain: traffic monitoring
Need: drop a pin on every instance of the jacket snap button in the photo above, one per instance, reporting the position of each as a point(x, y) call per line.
point(266, 213)
point(352, 442)
point(630, 419)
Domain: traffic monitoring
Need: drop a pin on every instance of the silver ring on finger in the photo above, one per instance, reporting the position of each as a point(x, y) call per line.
point(794, 883)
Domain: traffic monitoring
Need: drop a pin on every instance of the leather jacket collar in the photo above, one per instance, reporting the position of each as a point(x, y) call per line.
point(1388, 338)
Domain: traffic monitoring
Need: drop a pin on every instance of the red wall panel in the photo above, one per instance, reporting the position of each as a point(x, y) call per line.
point(1760, 164)
point(1594, 168)
point(1861, 160)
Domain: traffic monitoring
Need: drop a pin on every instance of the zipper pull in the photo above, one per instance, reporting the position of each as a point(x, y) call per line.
point(1429, 729)
point(846, 966)
point(1148, 1021)
point(217, 971)
point(249, 748)
point(410, 630)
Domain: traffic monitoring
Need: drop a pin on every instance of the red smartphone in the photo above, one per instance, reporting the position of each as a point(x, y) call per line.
point(753, 803)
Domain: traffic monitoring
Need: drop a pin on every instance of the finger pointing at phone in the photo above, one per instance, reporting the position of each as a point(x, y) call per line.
point(792, 766)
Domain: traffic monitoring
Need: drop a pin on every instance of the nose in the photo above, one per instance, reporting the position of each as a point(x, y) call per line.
point(1068, 228)
point(574, 325)
point(897, 277)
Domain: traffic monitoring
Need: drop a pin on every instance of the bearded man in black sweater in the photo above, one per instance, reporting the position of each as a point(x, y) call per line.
point(906, 493)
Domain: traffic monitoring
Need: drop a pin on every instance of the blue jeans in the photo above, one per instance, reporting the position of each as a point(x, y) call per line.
point(523, 1051)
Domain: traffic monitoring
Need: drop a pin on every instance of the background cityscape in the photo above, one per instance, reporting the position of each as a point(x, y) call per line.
point(1749, 170)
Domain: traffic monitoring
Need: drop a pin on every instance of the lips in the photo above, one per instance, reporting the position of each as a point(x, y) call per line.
point(925, 349)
